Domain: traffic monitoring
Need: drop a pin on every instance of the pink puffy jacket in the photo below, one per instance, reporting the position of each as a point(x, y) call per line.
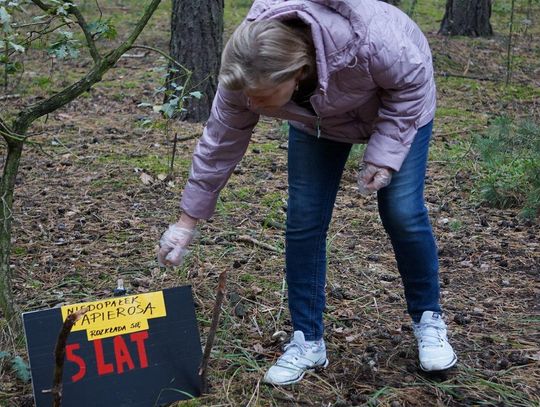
point(376, 86)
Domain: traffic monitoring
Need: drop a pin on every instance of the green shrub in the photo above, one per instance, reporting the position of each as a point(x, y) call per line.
point(510, 165)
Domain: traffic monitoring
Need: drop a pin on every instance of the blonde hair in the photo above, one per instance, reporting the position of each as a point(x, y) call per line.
point(263, 53)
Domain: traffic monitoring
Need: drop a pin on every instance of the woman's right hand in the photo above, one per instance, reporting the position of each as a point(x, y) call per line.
point(173, 245)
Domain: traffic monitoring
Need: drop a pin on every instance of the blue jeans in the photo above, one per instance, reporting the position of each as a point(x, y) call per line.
point(315, 167)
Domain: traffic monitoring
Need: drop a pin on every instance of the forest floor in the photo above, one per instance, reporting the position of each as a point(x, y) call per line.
point(85, 215)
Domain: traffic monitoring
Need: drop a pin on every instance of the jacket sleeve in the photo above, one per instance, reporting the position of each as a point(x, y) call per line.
point(224, 142)
point(400, 64)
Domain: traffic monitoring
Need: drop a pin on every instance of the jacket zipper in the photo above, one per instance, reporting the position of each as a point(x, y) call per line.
point(318, 127)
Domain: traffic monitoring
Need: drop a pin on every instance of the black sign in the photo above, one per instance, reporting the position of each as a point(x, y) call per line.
point(138, 350)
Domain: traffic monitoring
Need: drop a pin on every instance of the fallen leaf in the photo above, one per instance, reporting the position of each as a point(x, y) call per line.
point(258, 348)
point(351, 338)
point(146, 178)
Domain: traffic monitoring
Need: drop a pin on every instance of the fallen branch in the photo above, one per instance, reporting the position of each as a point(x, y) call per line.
point(10, 97)
point(474, 78)
point(60, 353)
point(189, 137)
point(249, 239)
point(144, 54)
point(220, 294)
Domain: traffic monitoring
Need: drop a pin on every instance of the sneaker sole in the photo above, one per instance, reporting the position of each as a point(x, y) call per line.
point(323, 366)
point(452, 363)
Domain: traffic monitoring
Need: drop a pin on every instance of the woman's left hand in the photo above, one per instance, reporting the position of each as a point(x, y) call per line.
point(372, 178)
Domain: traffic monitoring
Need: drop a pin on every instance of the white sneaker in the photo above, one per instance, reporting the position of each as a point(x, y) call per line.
point(434, 351)
point(300, 355)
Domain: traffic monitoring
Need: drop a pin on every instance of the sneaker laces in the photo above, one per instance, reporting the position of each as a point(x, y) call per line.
point(432, 335)
point(293, 352)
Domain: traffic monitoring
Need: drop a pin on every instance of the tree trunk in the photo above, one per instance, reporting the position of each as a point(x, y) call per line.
point(196, 43)
point(392, 2)
point(7, 185)
point(467, 17)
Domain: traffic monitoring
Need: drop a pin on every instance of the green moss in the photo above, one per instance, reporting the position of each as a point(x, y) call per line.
point(450, 111)
point(519, 92)
point(43, 82)
point(18, 251)
point(112, 184)
point(225, 208)
point(455, 225)
point(272, 207)
point(272, 200)
point(267, 147)
point(453, 151)
point(130, 84)
point(460, 84)
point(247, 278)
point(119, 236)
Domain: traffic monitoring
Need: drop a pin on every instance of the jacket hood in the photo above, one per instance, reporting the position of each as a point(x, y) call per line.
point(337, 41)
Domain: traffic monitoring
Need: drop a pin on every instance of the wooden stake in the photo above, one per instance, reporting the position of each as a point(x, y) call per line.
point(212, 333)
point(60, 353)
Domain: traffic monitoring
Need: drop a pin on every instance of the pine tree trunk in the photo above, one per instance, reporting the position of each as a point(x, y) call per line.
point(196, 43)
point(467, 17)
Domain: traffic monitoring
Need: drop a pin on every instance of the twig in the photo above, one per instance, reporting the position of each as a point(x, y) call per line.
point(249, 239)
point(273, 224)
point(100, 11)
point(10, 96)
point(170, 176)
point(190, 137)
point(474, 78)
point(66, 147)
point(212, 333)
point(87, 34)
point(41, 5)
point(135, 55)
point(509, 50)
point(281, 302)
point(60, 353)
point(164, 55)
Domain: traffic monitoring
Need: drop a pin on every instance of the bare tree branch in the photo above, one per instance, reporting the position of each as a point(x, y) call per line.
point(87, 34)
point(43, 6)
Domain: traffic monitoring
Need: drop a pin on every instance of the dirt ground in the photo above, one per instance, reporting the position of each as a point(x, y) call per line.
point(84, 217)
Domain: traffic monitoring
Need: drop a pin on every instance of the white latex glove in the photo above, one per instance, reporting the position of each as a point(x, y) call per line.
point(173, 245)
point(372, 178)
